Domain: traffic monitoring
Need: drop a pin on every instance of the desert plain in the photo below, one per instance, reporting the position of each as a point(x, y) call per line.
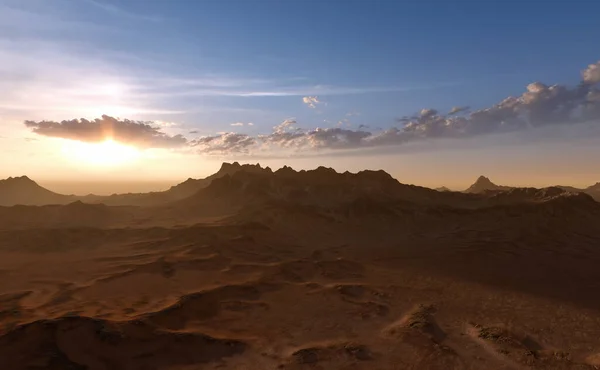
point(258, 269)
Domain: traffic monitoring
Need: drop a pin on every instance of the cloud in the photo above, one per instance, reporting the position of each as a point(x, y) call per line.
point(456, 110)
point(135, 133)
point(284, 136)
point(591, 74)
point(237, 124)
point(165, 124)
point(287, 124)
point(336, 138)
point(240, 124)
point(311, 101)
point(251, 90)
point(538, 106)
point(224, 143)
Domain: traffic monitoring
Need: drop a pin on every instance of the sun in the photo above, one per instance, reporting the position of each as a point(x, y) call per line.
point(107, 153)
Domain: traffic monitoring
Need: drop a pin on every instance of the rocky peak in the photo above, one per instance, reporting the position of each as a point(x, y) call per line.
point(482, 180)
point(483, 184)
point(285, 170)
point(231, 168)
point(20, 181)
point(227, 167)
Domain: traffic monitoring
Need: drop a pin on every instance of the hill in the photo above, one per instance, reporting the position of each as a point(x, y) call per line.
point(593, 191)
point(24, 191)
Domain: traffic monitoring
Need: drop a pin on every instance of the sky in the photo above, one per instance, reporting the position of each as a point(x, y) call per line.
point(119, 95)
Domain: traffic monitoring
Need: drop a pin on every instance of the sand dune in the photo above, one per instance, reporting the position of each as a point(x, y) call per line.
point(304, 270)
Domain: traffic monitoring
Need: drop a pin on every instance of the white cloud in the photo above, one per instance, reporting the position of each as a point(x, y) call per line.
point(224, 143)
point(457, 110)
point(136, 133)
point(592, 73)
point(237, 124)
point(311, 101)
point(166, 124)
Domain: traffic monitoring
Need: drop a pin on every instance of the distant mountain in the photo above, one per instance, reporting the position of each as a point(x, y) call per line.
point(322, 187)
point(263, 194)
point(286, 197)
point(24, 191)
point(593, 191)
point(443, 189)
point(483, 184)
point(595, 187)
point(240, 184)
point(528, 195)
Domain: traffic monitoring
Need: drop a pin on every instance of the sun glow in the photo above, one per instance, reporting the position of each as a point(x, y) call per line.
point(107, 153)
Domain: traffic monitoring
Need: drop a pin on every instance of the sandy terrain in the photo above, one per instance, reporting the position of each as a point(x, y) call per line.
point(405, 282)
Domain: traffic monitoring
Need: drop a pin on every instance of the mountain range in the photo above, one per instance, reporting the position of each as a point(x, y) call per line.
point(483, 185)
point(326, 182)
point(253, 192)
point(254, 179)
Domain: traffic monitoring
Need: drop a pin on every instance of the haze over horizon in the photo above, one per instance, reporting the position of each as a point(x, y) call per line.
point(112, 96)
